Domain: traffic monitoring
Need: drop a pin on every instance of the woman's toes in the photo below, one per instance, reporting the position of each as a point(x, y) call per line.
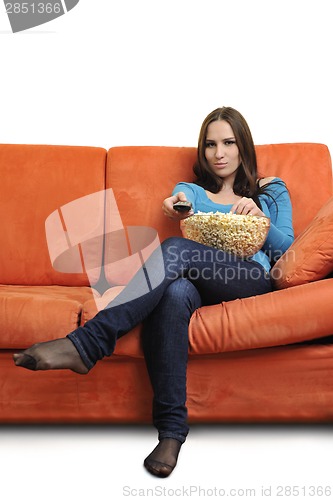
point(157, 468)
point(163, 459)
point(25, 361)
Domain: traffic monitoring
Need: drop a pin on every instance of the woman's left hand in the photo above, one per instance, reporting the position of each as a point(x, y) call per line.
point(246, 206)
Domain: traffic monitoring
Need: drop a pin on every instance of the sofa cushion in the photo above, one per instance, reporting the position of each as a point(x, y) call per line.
point(277, 318)
point(37, 180)
point(243, 324)
point(310, 257)
point(35, 314)
point(142, 176)
point(294, 164)
point(98, 302)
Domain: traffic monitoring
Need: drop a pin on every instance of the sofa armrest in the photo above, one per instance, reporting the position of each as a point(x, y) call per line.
point(278, 318)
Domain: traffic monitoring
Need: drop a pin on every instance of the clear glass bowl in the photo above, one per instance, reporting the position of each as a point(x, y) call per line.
point(241, 235)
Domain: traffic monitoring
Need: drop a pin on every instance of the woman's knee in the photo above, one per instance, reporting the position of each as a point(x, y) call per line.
point(175, 250)
point(182, 293)
point(173, 243)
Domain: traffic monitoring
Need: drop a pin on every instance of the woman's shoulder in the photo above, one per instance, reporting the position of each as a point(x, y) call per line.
point(189, 186)
point(273, 190)
point(272, 185)
point(267, 180)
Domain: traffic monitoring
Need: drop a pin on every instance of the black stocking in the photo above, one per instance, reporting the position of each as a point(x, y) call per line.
point(163, 458)
point(52, 355)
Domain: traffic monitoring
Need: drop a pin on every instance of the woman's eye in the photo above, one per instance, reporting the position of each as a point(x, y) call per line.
point(229, 143)
point(210, 144)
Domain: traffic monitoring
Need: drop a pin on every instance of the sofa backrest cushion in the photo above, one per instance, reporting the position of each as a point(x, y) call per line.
point(310, 257)
point(36, 181)
point(142, 177)
point(307, 170)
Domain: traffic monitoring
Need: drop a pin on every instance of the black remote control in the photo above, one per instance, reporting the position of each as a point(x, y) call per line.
point(182, 206)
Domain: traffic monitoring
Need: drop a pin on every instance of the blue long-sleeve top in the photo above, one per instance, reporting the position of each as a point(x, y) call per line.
point(275, 203)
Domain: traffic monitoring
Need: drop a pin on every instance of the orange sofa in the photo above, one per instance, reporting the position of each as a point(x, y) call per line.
point(265, 358)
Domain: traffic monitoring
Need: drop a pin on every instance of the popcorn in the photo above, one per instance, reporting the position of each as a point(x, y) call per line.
point(241, 235)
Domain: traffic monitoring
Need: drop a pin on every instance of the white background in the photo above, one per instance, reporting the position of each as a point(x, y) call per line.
point(147, 72)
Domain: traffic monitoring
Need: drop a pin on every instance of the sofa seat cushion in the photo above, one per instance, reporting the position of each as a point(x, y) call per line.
point(30, 314)
point(278, 318)
point(310, 257)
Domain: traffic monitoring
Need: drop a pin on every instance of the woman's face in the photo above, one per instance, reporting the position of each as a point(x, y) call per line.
point(221, 151)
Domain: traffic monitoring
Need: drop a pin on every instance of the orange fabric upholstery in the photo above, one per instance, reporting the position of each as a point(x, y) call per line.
point(279, 384)
point(142, 177)
point(310, 257)
point(243, 324)
point(251, 323)
point(30, 314)
point(306, 169)
point(250, 360)
point(35, 181)
point(150, 173)
point(267, 320)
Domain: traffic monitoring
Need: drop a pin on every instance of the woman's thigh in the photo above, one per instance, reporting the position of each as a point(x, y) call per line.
point(217, 275)
point(230, 280)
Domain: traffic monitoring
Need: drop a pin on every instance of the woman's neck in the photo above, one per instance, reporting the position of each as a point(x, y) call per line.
point(227, 187)
point(225, 196)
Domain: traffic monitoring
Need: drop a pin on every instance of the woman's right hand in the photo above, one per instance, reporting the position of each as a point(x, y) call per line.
point(170, 212)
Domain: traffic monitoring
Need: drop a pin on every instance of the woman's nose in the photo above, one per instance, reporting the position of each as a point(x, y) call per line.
point(219, 153)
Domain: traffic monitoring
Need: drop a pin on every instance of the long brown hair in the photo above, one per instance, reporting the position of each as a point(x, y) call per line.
point(245, 183)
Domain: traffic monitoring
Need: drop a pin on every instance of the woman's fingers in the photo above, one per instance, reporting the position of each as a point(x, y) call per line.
point(168, 209)
point(246, 206)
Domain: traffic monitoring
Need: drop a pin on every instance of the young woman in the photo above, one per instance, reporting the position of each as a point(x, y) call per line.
point(226, 179)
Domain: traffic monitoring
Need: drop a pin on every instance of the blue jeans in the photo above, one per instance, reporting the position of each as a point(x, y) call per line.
point(177, 278)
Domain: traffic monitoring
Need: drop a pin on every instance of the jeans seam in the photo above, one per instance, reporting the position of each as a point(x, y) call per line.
point(81, 350)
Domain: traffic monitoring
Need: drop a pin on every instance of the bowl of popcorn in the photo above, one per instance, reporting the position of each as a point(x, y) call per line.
point(241, 235)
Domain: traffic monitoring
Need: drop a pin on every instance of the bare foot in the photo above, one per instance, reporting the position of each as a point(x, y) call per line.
point(53, 355)
point(163, 458)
